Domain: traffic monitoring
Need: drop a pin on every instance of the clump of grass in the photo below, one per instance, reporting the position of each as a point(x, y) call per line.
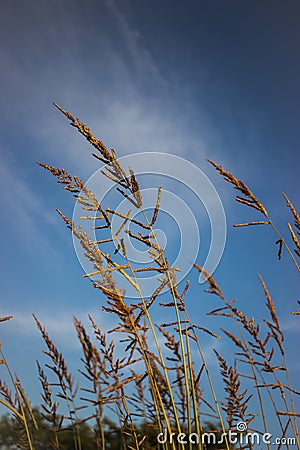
point(162, 380)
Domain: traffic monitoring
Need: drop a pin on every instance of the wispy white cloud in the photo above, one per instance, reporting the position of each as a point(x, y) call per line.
point(26, 218)
point(59, 326)
point(142, 60)
point(290, 324)
point(19, 203)
point(114, 104)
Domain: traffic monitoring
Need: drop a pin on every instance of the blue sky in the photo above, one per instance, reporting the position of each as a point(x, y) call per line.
point(195, 79)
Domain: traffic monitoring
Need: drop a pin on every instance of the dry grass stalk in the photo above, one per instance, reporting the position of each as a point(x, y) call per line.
point(236, 401)
point(17, 402)
point(49, 409)
point(68, 390)
point(250, 200)
point(294, 212)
